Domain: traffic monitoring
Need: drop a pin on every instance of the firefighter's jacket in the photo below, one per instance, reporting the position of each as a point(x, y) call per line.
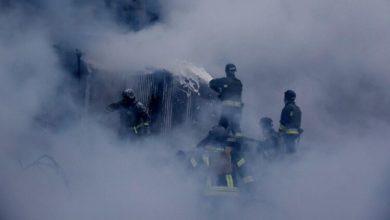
point(133, 116)
point(290, 119)
point(215, 151)
point(228, 88)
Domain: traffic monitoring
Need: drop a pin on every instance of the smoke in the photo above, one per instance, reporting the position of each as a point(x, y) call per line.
point(333, 53)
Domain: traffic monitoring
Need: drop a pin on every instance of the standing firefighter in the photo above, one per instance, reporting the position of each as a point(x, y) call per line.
point(229, 91)
point(269, 145)
point(133, 115)
point(290, 122)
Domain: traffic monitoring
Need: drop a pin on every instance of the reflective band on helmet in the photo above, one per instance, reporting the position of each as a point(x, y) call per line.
point(241, 162)
point(193, 162)
point(248, 179)
point(232, 103)
point(229, 180)
point(206, 160)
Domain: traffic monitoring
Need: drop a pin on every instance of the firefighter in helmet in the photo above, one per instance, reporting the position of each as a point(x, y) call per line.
point(229, 91)
point(269, 145)
point(290, 122)
point(133, 115)
point(219, 152)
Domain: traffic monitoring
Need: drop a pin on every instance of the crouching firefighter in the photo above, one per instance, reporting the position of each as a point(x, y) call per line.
point(290, 122)
point(219, 158)
point(269, 145)
point(134, 116)
point(229, 91)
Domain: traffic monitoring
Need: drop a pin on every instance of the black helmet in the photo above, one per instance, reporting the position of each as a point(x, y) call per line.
point(218, 132)
point(266, 122)
point(224, 122)
point(230, 68)
point(290, 95)
point(128, 94)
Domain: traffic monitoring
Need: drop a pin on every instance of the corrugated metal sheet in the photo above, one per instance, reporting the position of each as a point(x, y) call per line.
point(177, 102)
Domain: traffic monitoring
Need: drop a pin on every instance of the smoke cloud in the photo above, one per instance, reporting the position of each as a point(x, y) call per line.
point(332, 53)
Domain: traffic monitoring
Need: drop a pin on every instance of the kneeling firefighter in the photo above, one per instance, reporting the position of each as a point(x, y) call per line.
point(269, 146)
point(219, 156)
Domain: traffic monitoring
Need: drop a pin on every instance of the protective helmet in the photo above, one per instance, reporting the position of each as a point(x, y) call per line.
point(289, 95)
point(230, 68)
point(128, 93)
point(266, 122)
point(218, 132)
point(224, 122)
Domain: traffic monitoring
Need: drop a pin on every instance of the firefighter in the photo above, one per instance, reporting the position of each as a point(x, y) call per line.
point(229, 91)
point(290, 122)
point(238, 160)
point(213, 155)
point(133, 115)
point(269, 145)
point(220, 153)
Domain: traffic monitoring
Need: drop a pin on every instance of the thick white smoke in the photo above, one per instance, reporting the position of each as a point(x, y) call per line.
point(333, 53)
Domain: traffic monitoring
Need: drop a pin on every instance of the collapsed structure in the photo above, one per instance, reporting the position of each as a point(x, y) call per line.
point(174, 97)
